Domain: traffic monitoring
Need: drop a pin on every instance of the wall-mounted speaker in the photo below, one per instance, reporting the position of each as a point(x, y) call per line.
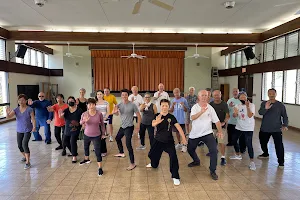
point(249, 53)
point(21, 51)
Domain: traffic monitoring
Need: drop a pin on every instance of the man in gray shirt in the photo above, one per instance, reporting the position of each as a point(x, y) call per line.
point(275, 120)
point(127, 109)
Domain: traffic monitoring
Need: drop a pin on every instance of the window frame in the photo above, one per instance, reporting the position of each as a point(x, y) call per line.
point(4, 41)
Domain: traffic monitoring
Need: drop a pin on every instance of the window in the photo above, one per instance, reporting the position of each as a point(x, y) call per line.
point(226, 61)
point(244, 59)
point(266, 85)
point(298, 88)
point(269, 51)
point(40, 59)
point(280, 48)
point(278, 84)
point(290, 79)
point(33, 57)
point(2, 49)
point(46, 60)
point(292, 44)
point(251, 62)
point(18, 60)
point(3, 94)
point(238, 59)
point(27, 57)
point(232, 60)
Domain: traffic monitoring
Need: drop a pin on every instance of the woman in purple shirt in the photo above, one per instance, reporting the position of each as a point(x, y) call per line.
point(25, 125)
point(91, 120)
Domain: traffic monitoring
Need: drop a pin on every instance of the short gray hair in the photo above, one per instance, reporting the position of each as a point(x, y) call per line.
point(82, 89)
point(192, 88)
point(147, 93)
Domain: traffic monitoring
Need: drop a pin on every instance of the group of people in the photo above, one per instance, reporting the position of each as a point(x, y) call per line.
point(196, 119)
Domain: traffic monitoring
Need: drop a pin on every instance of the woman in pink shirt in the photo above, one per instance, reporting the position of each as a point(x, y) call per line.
point(91, 120)
point(59, 123)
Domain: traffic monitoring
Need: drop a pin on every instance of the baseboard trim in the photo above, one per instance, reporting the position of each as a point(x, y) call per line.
point(3, 121)
point(290, 127)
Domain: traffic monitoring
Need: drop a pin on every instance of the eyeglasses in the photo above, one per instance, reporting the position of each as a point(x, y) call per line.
point(41, 96)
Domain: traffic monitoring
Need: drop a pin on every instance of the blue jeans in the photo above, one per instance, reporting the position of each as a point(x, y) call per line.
point(36, 134)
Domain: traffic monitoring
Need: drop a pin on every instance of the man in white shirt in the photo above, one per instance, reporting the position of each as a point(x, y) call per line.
point(159, 95)
point(136, 98)
point(202, 116)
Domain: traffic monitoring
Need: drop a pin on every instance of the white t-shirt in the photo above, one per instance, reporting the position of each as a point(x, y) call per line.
point(163, 95)
point(138, 100)
point(244, 123)
point(202, 125)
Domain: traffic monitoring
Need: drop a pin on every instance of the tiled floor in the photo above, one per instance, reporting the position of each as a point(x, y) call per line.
point(55, 177)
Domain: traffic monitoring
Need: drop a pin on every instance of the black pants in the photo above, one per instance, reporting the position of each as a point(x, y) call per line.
point(248, 135)
point(150, 130)
point(210, 142)
point(157, 148)
point(70, 141)
point(57, 133)
point(264, 138)
point(232, 133)
point(23, 140)
point(97, 145)
point(103, 142)
point(128, 134)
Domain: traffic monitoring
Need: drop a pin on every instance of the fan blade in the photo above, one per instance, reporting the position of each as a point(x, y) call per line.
point(125, 56)
point(77, 56)
point(137, 7)
point(286, 4)
point(201, 56)
point(161, 4)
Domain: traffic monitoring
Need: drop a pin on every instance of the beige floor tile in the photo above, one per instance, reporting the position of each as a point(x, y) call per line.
point(195, 195)
point(35, 196)
point(119, 195)
point(139, 196)
point(66, 190)
point(99, 196)
point(58, 196)
point(79, 196)
point(159, 195)
point(216, 195)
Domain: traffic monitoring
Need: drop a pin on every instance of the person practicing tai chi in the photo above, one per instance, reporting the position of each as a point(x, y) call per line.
point(126, 109)
point(222, 111)
point(25, 125)
point(111, 99)
point(163, 140)
point(148, 111)
point(72, 117)
point(159, 95)
point(91, 120)
point(192, 100)
point(179, 106)
point(274, 122)
point(245, 124)
point(59, 123)
point(202, 116)
point(42, 116)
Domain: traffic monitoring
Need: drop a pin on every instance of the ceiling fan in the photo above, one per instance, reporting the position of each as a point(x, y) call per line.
point(196, 55)
point(134, 55)
point(158, 3)
point(70, 55)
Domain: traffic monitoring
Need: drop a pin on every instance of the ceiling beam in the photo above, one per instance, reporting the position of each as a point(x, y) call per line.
point(134, 37)
point(4, 33)
point(39, 47)
point(282, 29)
point(129, 47)
point(231, 50)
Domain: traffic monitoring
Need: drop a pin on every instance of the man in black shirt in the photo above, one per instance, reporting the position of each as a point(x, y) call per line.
point(163, 140)
point(222, 111)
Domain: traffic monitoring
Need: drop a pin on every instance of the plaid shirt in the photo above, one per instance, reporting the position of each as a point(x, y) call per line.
point(192, 100)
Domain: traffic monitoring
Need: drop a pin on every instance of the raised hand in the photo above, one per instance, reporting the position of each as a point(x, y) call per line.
point(247, 103)
point(132, 99)
point(158, 119)
point(50, 109)
point(174, 104)
point(30, 102)
point(204, 109)
point(231, 104)
point(235, 111)
point(8, 110)
point(268, 105)
point(86, 118)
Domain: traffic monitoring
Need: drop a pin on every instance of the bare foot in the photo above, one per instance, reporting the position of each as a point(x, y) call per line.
point(131, 167)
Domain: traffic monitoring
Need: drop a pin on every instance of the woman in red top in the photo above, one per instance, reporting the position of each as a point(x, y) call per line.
point(59, 123)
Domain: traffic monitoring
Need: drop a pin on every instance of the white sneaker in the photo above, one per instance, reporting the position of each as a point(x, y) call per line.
point(184, 148)
point(141, 147)
point(252, 166)
point(138, 135)
point(111, 139)
point(176, 181)
point(149, 165)
point(178, 146)
point(236, 157)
